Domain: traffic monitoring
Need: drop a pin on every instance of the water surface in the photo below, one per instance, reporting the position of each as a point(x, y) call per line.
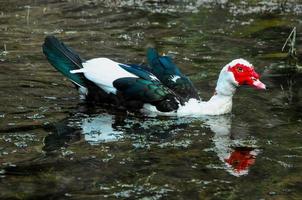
point(53, 146)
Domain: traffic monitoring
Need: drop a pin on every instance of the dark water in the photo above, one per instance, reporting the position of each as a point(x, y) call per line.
point(53, 147)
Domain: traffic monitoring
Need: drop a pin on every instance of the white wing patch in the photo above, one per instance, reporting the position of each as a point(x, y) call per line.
point(174, 78)
point(153, 78)
point(103, 72)
point(77, 71)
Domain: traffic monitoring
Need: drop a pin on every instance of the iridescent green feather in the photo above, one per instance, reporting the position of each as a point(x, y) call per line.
point(63, 59)
point(169, 74)
point(141, 89)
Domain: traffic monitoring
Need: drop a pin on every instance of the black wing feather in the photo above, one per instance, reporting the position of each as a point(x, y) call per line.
point(169, 74)
point(147, 91)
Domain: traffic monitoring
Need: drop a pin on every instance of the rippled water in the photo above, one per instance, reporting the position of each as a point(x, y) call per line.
point(52, 146)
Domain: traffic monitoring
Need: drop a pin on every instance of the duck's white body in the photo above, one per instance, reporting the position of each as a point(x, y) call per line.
point(217, 105)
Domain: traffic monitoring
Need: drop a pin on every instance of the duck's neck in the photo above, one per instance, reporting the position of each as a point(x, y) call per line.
point(225, 84)
point(221, 101)
point(218, 104)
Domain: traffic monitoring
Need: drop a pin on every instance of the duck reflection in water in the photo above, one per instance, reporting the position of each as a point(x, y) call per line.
point(236, 154)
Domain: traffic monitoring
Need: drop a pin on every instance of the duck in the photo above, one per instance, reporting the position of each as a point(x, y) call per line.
point(157, 89)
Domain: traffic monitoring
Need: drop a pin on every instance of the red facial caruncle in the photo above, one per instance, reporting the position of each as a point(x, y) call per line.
point(246, 75)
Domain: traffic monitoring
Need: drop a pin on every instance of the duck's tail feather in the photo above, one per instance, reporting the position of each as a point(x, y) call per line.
point(161, 65)
point(151, 54)
point(64, 59)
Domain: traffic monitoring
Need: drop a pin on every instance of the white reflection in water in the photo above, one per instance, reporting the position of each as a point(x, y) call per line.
point(99, 129)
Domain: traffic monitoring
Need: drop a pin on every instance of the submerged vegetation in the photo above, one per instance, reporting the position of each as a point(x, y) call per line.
point(292, 55)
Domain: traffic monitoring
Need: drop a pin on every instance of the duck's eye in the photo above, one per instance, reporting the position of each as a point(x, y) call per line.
point(239, 69)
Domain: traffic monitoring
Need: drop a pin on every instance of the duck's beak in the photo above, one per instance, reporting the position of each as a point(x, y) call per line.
point(258, 84)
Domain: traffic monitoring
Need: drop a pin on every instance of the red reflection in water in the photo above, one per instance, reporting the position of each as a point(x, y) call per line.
point(241, 159)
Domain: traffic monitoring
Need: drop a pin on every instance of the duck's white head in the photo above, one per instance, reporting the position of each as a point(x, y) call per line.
point(236, 73)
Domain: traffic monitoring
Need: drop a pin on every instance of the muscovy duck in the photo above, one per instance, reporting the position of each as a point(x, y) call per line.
point(159, 89)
